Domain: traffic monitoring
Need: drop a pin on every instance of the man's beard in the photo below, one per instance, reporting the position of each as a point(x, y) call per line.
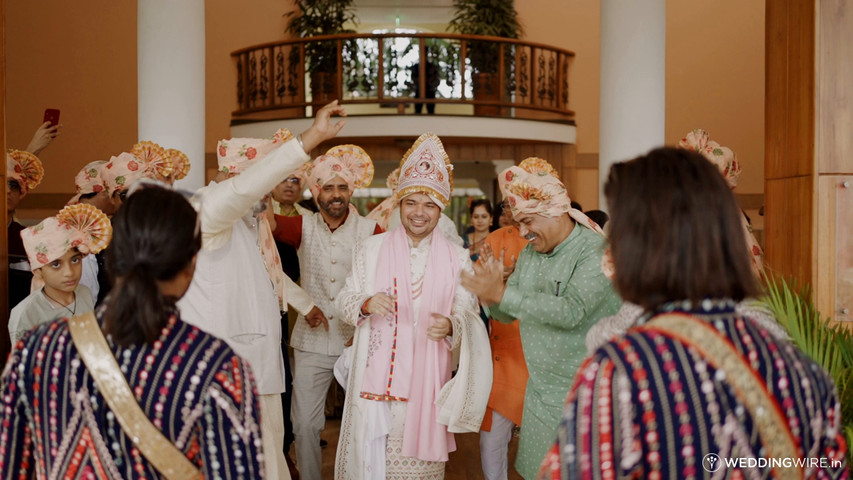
point(334, 212)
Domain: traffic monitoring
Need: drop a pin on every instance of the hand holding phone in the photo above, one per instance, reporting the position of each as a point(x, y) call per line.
point(46, 132)
point(51, 115)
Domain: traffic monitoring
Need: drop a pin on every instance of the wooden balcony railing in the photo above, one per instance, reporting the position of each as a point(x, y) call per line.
point(498, 76)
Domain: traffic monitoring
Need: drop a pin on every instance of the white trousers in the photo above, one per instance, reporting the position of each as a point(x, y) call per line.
point(494, 446)
point(312, 375)
point(272, 434)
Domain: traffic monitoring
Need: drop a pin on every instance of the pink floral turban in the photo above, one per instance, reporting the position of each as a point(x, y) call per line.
point(238, 154)
point(532, 187)
point(180, 163)
point(158, 164)
point(123, 171)
point(393, 179)
point(350, 162)
point(80, 226)
point(89, 180)
point(302, 174)
point(25, 168)
point(724, 158)
point(426, 168)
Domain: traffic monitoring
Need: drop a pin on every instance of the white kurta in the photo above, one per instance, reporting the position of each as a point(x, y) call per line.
point(231, 295)
point(462, 400)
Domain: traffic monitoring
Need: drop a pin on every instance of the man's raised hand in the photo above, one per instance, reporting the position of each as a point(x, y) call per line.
point(323, 128)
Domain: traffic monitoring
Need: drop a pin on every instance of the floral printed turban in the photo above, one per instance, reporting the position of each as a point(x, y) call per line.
point(123, 170)
point(724, 158)
point(238, 154)
point(532, 187)
point(158, 164)
point(89, 180)
point(382, 213)
point(350, 162)
point(25, 168)
point(426, 168)
point(180, 163)
point(80, 226)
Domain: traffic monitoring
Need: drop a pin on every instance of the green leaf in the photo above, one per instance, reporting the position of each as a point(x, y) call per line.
point(829, 345)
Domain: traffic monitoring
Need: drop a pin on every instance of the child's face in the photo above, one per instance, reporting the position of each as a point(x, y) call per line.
point(62, 274)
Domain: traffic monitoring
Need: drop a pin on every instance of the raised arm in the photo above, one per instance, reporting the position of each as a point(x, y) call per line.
point(222, 204)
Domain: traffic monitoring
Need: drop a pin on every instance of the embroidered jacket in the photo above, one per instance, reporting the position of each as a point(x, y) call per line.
point(55, 422)
point(325, 260)
point(648, 405)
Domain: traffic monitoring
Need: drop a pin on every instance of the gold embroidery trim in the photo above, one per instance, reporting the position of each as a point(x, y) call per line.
point(748, 387)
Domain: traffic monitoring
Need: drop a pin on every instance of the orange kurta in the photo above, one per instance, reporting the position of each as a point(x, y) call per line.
point(510, 371)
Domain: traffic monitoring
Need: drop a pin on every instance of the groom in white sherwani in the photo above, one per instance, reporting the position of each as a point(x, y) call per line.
point(410, 312)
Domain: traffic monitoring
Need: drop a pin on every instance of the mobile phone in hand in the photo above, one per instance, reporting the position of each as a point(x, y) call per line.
point(51, 115)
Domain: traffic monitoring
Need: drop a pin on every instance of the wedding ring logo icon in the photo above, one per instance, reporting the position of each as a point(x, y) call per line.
point(711, 462)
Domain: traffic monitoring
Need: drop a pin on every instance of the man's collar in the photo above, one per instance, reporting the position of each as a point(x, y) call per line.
point(424, 241)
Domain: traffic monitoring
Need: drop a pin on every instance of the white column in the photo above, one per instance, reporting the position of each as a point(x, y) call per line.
point(633, 88)
point(171, 50)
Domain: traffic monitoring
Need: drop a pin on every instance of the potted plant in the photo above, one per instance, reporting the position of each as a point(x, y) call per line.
point(321, 17)
point(829, 345)
point(496, 18)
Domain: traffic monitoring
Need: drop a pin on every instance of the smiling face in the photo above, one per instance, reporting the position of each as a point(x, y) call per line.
point(419, 216)
point(62, 275)
point(544, 233)
point(333, 198)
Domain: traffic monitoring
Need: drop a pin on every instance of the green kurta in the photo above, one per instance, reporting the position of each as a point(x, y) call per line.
point(557, 297)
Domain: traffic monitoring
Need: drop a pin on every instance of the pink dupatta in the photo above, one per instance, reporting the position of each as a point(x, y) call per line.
point(403, 364)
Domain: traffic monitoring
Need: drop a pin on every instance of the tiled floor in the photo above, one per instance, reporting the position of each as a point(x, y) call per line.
point(464, 463)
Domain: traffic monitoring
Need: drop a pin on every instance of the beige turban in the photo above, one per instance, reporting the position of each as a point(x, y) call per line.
point(724, 158)
point(349, 162)
point(533, 188)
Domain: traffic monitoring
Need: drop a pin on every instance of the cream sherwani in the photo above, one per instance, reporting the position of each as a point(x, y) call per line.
point(232, 296)
point(462, 401)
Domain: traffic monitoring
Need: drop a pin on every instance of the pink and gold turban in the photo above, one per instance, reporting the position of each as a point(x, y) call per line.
point(158, 164)
point(237, 154)
point(123, 170)
point(532, 187)
point(89, 180)
point(426, 168)
point(349, 162)
point(724, 158)
point(80, 226)
point(25, 168)
point(180, 163)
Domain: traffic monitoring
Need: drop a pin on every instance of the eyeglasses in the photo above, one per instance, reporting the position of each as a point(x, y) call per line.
point(14, 185)
point(122, 195)
point(293, 180)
